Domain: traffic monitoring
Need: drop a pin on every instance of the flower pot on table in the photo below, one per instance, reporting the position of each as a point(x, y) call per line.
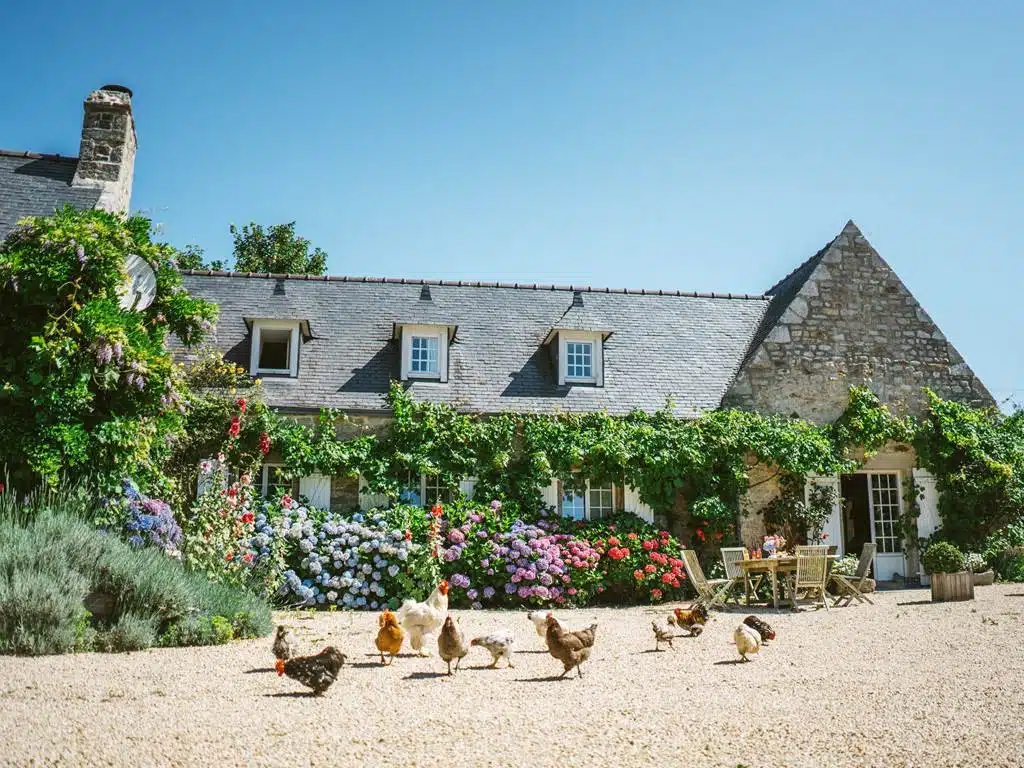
point(951, 587)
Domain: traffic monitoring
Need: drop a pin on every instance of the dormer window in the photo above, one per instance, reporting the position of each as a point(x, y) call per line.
point(425, 351)
point(578, 355)
point(579, 360)
point(275, 348)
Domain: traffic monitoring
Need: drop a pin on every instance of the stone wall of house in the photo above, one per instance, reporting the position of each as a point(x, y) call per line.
point(763, 487)
point(852, 322)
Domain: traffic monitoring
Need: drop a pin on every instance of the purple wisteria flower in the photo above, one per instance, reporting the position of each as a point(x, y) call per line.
point(80, 253)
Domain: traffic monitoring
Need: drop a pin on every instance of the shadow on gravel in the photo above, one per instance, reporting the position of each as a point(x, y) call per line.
point(551, 679)
point(425, 675)
point(729, 661)
point(257, 670)
point(916, 602)
point(366, 664)
point(651, 650)
point(531, 651)
point(290, 695)
point(1015, 594)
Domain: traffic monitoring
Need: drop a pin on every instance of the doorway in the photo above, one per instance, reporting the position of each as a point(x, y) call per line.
point(856, 513)
point(871, 510)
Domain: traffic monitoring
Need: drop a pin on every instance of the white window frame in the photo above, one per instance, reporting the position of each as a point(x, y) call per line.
point(596, 358)
point(437, 332)
point(425, 487)
point(586, 489)
point(893, 523)
point(258, 326)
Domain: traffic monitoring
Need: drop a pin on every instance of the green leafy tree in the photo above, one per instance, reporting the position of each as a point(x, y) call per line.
point(193, 257)
point(88, 389)
point(276, 249)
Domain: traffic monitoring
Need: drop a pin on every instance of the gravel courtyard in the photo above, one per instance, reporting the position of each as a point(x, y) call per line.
point(903, 682)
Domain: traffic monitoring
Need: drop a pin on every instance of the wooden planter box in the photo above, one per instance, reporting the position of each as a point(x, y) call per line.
point(985, 578)
point(949, 587)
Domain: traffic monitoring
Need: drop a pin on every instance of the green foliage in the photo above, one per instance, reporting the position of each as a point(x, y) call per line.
point(276, 249)
point(845, 566)
point(975, 563)
point(943, 557)
point(977, 457)
point(87, 388)
point(64, 585)
point(1004, 551)
point(795, 517)
point(193, 257)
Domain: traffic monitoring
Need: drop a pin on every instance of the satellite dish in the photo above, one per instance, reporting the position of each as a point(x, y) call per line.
point(139, 289)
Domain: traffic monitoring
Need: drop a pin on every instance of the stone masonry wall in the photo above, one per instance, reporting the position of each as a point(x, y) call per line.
point(852, 322)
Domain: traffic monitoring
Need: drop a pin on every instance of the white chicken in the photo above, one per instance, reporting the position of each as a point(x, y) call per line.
point(747, 641)
point(422, 621)
point(499, 644)
point(540, 623)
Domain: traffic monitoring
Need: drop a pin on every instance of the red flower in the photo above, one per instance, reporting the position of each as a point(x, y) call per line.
point(625, 552)
point(718, 537)
point(235, 427)
point(437, 510)
point(229, 556)
point(649, 545)
point(611, 527)
point(248, 517)
point(650, 568)
point(617, 554)
point(286, 501)
point(613, 541)
point(631, 536)
point(664, 534)
point(1, 487)
point(676, 572)
point(656, 593)
point(666, 578)
point(240, 402)
point(700, 534)
point(264, 443)
point(638, 575)
point(408, 535)
point(232, 492)
point(675, 583)
point(247, 557)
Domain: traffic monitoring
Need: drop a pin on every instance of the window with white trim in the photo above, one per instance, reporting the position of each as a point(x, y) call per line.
point(275, 348)
point(427, 490)
point(425, 352)
point(580, 357)
point(584, 500)
point(885, 511)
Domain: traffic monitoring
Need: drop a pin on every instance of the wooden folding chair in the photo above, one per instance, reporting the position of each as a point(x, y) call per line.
point(733, 573)
point(712, 593)
point(851, 587)
point(811, 575)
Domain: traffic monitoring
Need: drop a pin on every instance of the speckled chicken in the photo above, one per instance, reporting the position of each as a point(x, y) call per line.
point(389, 637)
point(286, 645)
point(570, 648)
point(451, 644)
point(499, 644)
point(762, 627)
point(747, 641)
point(662, 635)
point(317, 672)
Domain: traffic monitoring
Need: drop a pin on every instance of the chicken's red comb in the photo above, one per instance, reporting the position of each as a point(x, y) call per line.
point(279, 666)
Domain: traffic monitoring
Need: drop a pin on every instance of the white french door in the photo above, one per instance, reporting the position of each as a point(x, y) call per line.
point(885, 497)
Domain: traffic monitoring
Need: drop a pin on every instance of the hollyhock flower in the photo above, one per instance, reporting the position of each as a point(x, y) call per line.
point(437, 510)
point(206, 467)
point(241, 403)
point(408, 535)
point(248, 517)
point(235, 427)
point(264, 443)
point(472, 594)
point(247, 557)
point(229, 556)
point(286, 501)
point(718, 536)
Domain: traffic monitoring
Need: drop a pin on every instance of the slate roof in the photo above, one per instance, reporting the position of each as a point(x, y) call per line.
point(663, 346)
point(36, 185)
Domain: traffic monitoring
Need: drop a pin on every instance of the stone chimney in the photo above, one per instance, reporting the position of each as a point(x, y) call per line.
point(106, 158)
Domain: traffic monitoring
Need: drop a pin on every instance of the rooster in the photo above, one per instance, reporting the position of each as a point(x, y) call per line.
point(390, 636)
point(692, 620)
point(762, 627)
point(422, 621)
point(499, 644)
point(570, 648)
point(316, 672)
point(285, 643)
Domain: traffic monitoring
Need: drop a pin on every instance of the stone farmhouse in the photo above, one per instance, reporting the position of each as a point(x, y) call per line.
point(842, 317)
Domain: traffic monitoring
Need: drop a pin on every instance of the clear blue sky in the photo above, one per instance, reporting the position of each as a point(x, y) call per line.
point(629, 144)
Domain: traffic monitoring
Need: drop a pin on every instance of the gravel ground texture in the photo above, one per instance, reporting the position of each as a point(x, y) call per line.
point(901, 683)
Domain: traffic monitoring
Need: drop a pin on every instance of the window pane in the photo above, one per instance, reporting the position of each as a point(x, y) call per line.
point(275, 345)
point(424, 354)
point(602, 501)
point(436, 492)
point(275, 485)
point(885, 506)
point(579, 360)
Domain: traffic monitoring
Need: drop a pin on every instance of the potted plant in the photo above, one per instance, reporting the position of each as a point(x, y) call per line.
point(977, 565)
point(948, 568)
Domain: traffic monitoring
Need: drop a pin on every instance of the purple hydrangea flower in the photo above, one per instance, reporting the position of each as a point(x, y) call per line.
point(488, 592)
point(456, 537)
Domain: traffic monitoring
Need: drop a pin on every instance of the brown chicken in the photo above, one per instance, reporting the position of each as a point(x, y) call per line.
point(692, 620)
point(389, 637)
point(316, 672)
point(285, 643)
point(570, 648)
point(762, 627)
point(451, 644)
point(662, 635)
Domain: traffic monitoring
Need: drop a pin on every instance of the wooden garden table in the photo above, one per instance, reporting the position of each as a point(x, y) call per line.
point(772, 567)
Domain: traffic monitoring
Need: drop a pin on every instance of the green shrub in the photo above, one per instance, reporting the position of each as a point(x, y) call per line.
point(845, 566)
point(65, 586)
point(943, 557)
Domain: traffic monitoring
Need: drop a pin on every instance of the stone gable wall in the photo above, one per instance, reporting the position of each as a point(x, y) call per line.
point(853, 322)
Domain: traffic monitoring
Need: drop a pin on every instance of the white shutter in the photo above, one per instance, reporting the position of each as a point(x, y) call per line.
point(928, 519)
point(316, 488)
point(631, 502)
point(834, 524)
point(466, 486)
point(371, 500)
point(551, 495)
